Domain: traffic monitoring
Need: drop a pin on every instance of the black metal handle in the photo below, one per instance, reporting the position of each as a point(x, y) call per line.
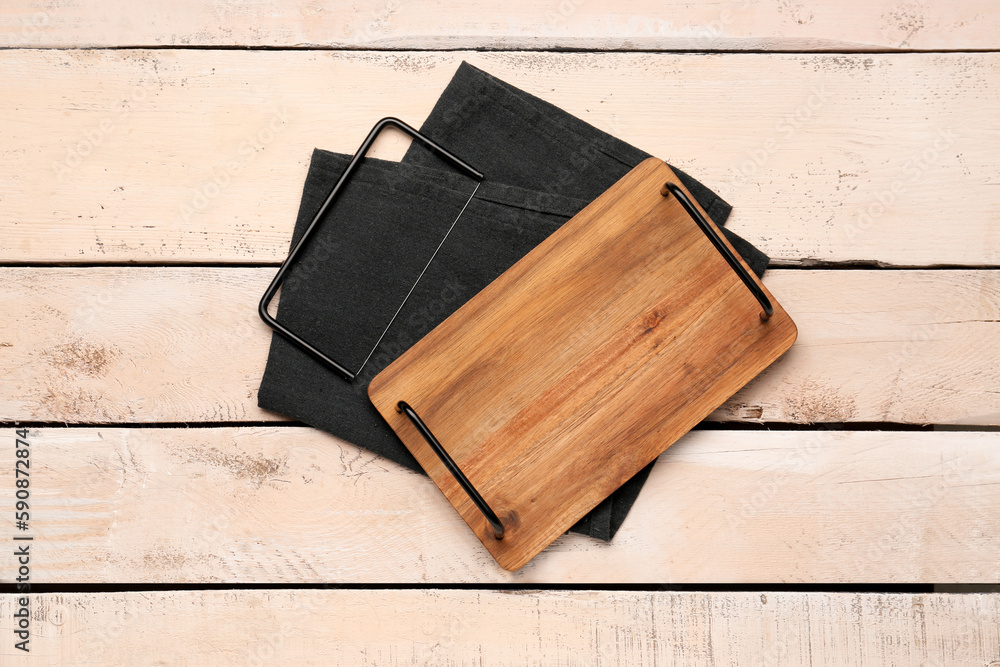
point(456, 472)
point(272, 289)
point(720, 245)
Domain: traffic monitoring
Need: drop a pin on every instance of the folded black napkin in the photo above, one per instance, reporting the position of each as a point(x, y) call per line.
point(541, 165)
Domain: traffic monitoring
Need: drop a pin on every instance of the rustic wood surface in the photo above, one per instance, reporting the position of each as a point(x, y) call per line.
point(582, 363)
point(858, 144)
point(449, 627)
point(127, 345)
point(821, 25)
point(194, 155)
point(294, 505)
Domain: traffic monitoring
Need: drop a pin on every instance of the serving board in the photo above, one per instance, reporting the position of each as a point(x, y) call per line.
point(581, 364)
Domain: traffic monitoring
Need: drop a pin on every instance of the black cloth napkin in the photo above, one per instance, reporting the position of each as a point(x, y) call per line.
point(542, 165)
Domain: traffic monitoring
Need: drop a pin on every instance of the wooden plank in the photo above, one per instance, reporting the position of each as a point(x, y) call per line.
point(419, 627)
point(394, 24)
point(114, 345)
point(292, 504)
point(193, 155)
point(582, 363)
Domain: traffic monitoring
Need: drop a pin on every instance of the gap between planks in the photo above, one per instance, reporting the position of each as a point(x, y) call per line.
point(114, 345)
point(519, 24)
point(272, 505)
point(807, 164)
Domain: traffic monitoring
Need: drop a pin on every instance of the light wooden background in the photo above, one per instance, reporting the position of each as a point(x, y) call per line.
point(149, 177)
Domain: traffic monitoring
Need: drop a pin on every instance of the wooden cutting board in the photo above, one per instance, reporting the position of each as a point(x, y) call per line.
point(581, 364)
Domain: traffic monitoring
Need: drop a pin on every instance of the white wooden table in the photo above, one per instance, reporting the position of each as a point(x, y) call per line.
point(151, 159)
